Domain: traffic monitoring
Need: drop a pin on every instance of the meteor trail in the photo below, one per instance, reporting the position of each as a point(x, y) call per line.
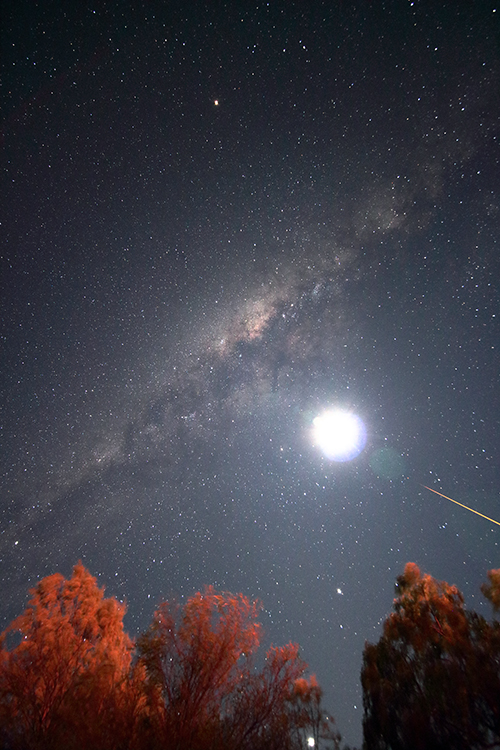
point(461, 505)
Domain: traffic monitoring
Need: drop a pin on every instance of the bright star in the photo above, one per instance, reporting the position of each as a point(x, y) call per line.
point(340, 435)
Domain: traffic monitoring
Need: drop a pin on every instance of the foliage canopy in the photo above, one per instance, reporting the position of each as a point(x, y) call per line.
point(70, 677)
point(433, 679)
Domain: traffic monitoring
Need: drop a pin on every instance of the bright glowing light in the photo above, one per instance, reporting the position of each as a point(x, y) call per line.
point(340, 435)
point(310, 742)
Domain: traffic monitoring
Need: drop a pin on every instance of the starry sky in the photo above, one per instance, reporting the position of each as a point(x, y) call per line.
point(218, 221)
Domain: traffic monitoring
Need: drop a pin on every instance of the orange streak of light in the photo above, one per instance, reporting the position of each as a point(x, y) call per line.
point(461, 505)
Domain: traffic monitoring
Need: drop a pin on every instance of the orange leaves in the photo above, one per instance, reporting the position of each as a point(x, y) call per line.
point(193, 684)
point(305, 688)
point(222, 627)
point(203, 689)
point(426, 611)
point(308, 713)
point(433, 679)
point(197, 656)
point(492, 590)
point(70, 639)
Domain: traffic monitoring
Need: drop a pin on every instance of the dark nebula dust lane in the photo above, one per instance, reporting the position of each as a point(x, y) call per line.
point(187, 285)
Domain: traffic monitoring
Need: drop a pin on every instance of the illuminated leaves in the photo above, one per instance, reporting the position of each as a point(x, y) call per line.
point(492, 590)
point(433, 679)
point(69, 650)
point(195, 658)
point(202, 686)
point(67, 679)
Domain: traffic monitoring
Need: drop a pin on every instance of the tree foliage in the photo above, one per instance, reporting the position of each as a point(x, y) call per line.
point(69, 650)
point(70, 677)
point(491, 590)
point(433, 679)
point(202, 686)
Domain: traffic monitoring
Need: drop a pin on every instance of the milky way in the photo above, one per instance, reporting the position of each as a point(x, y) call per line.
point(218, 225)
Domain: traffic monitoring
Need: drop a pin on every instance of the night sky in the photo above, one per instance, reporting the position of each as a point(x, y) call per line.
point(218, 221)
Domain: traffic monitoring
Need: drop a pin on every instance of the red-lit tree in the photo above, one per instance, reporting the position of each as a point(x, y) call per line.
point(63, 663)
point(66, 679)
point(194, 659)
point(308, 717)
point(491, 590)
point(433, 679)
point(203, 690)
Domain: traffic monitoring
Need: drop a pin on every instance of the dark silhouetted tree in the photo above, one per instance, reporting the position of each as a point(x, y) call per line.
point(433, 679)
